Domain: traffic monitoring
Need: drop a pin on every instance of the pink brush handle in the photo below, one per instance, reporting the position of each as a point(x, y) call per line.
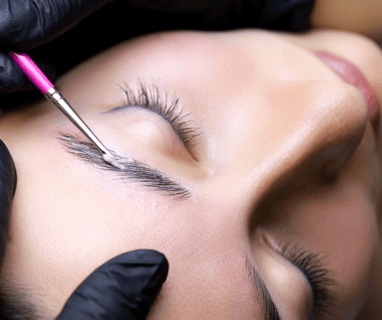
point(32, 71)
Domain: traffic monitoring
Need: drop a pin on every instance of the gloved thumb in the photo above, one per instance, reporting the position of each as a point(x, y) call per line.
point(125, 287)
point(8, 179)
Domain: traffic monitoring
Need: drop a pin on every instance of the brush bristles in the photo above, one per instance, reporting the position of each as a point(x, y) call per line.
point(112, 160)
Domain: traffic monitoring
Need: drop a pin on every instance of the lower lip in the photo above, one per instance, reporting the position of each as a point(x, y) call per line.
point(352, 75)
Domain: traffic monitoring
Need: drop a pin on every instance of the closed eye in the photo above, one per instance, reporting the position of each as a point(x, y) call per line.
point(311, 265)
point(150, 97)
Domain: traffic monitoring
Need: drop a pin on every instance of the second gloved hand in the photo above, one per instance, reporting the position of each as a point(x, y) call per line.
point(124, 288)
point(7, 191)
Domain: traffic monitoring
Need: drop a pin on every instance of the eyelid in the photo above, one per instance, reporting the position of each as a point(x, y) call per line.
point(150, 97)
point(317, 275)
point(287, 286)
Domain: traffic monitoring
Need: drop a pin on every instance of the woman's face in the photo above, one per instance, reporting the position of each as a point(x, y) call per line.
point(266, 181)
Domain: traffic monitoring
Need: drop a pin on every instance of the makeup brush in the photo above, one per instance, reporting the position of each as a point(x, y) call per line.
point(38, 78)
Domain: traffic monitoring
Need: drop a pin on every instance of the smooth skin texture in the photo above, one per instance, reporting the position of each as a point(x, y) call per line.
point(271, 117)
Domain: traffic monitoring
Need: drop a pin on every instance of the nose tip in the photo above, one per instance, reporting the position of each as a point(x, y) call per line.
point(337, 122)
point(324, 125)
point(323, 141)
point(306, 136)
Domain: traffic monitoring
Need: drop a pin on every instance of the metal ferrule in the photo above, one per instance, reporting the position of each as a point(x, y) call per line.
point(54, 96)
point(59, 101)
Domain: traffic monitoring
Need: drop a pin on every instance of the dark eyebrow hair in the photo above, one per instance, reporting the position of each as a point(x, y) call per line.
point(134, 171)
point(268, 307)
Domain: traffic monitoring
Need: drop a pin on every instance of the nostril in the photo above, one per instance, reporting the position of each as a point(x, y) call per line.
point(334, 159)
point(336, 145)
point(338, 124)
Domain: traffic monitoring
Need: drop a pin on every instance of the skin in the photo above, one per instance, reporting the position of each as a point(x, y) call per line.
point(268, 111)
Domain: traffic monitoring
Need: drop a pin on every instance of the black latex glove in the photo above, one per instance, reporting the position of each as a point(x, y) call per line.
point(27, 24)
point(124, 288)
point(7, 191)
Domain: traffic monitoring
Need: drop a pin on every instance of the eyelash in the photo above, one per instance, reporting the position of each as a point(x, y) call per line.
point(317, 275)
point(149, 97)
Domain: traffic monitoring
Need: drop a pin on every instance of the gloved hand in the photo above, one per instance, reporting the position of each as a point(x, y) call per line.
point(27, 24)
point(7, 191)
point(125, 287)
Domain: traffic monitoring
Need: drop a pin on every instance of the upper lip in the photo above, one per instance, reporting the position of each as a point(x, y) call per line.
point(352, 75)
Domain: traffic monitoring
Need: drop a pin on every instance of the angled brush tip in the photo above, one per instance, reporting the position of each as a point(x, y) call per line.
point(109, 158)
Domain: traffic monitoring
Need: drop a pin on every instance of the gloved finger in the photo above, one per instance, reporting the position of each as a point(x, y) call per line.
point(47, 68)
point(13, 79)
point(7, 191)
point(11, 76)
point(27, 24)
point(124, 288)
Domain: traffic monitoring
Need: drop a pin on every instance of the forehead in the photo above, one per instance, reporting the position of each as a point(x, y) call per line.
point(181, 60)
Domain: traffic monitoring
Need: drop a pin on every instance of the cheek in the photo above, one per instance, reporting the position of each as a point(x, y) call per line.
point(352, 251)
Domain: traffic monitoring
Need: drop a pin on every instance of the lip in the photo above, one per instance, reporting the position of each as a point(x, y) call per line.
point(352, 75)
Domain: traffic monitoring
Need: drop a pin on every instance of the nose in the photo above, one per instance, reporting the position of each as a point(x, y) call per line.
point(308, 134)
point(329, 125)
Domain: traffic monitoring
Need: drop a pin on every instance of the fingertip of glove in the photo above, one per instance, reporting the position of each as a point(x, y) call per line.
point(11, 76)
point(124, 287)
point(153, 262)
point(7, 168)
point(148, 256)
point(47, 68)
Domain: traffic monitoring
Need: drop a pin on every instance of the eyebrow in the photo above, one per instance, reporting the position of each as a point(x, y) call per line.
point(268, 308)
point(134, 170)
